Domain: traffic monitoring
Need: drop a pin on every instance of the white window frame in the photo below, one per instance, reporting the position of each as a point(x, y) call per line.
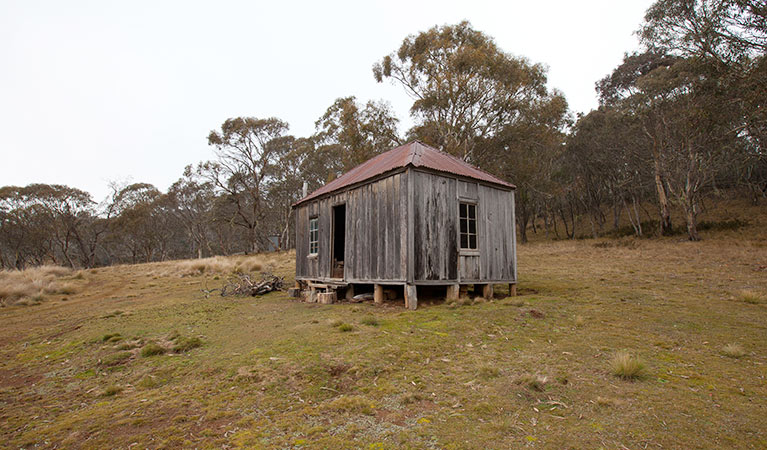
point(314, 235)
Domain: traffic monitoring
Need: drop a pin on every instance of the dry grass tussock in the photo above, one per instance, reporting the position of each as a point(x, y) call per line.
point(733, 351)
point(218, 265)
point(751, 296)
point(627, 367)
point(30, 286)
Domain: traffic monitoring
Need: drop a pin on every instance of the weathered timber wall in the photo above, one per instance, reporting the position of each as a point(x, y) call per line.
point(435, 227)
point(376, 232)
point(437, 256)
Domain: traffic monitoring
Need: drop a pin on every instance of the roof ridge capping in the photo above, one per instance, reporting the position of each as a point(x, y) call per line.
point(414, 153)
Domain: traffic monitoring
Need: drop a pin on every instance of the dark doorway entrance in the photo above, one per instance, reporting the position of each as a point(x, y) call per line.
point(339, 240)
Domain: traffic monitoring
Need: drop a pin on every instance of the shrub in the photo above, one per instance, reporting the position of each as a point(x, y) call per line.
point(152, 349)
point(372, 321)
point(184, 344)
point(627, 367)
point(345, 328)
point(733, 351)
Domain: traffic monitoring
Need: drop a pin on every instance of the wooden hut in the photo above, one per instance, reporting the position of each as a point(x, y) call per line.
point(411, 218)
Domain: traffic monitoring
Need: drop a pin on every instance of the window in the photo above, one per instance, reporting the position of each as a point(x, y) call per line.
point(467, 216)
point(314, 235)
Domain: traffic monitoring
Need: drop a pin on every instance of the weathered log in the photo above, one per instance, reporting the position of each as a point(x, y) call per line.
point(242, 285)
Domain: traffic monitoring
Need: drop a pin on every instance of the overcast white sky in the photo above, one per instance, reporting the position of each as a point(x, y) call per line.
point(93, 91)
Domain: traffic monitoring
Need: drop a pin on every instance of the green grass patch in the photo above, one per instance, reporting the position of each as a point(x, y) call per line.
point(116, 358)
point(185, 344)
point(152, 349)
point(111, 391)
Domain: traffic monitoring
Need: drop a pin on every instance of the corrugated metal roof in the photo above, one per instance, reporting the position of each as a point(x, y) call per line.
point(413, 153)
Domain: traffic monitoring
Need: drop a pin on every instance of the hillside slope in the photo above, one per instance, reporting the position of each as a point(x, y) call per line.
point(535, 370)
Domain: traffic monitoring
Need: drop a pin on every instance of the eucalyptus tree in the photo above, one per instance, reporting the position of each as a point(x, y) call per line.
point(244, 158)
point(138, 224)
point(622, 89)
point(45, 223)
point(354, 133)
point(731, 37)
point(466, 90)
point(732, 32)
point(607, 153)
point(192, 199)
point(684, 110)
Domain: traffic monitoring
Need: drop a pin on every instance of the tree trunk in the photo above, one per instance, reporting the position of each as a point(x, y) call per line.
point(665, 216)
point(253, 240)
point(692, 226)
point(617, 209)
point(523, 227)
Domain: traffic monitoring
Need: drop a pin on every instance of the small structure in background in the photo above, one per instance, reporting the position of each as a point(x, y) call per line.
point(410, 219)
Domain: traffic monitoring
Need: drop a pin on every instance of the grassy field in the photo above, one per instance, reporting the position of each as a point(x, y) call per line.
point(137, 357)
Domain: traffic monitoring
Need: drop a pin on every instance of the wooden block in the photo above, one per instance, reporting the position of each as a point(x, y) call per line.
point(411, 297)
point(513, 290)
point(452, 292)
point(326, 298)
point(294, 292)
point(487, 291)
point(378, 295)
point(311, 295)
point(349, 292)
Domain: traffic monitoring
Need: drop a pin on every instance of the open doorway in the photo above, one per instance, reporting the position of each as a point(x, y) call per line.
point(339, 240)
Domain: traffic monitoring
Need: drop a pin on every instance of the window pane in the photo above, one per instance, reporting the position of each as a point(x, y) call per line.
point(462, 210)
point(464, 241)
point(314, 235)
point(464, 228)
point(472, 241)
point(472, 211)
point(472, 226)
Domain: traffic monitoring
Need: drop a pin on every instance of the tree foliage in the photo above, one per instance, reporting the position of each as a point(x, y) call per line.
point(466, 90)
point(352, 134)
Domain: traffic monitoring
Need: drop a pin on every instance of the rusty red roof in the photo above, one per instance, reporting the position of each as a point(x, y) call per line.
point(413, 153)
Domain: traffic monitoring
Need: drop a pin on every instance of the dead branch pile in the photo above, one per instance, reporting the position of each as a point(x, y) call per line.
point(242, 285)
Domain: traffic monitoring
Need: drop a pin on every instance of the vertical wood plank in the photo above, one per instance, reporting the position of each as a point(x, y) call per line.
point(411, 227)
